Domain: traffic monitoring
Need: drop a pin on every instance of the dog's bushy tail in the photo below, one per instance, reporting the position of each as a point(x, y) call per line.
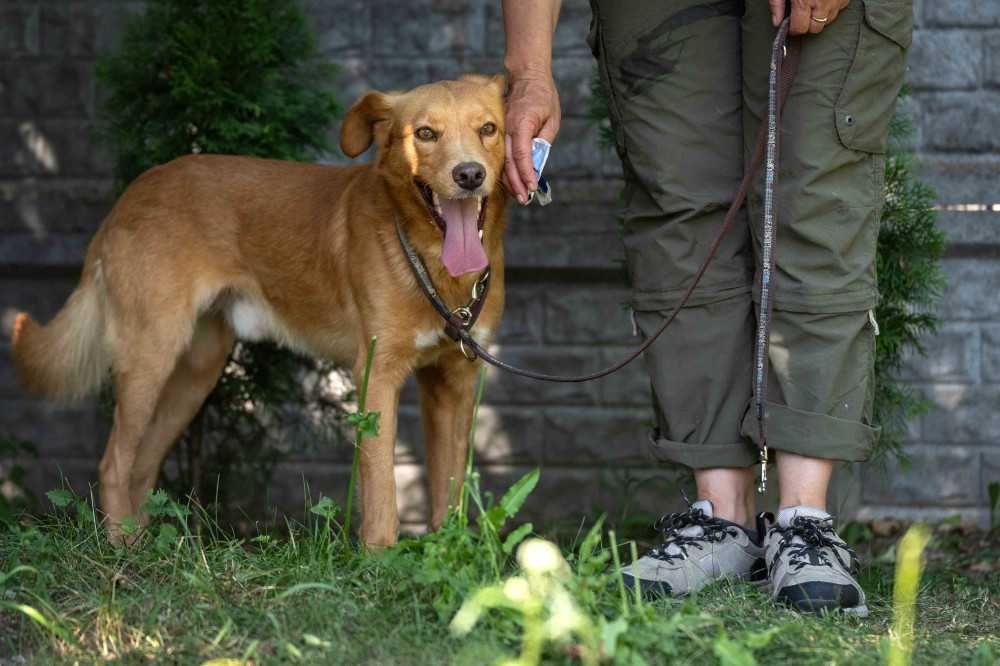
point(68, 358)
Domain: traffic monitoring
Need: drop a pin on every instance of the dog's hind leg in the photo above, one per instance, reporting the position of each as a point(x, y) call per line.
point(141, 371)
point(447, 393)
point(193, 378)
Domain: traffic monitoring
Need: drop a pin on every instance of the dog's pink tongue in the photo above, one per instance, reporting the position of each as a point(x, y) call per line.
point(463, 251)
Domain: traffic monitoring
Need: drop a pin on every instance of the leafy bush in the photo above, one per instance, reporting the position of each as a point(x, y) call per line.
point(229, 77)
point(910, 248)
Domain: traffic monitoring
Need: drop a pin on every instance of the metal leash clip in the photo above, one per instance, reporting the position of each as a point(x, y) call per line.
point(479, 285)
point(762, 488)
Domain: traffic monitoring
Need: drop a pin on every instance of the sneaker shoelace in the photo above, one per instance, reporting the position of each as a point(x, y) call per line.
point(816, 537)
point(675, 541)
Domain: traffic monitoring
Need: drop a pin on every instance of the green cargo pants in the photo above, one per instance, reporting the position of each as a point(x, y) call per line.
point(687, 87)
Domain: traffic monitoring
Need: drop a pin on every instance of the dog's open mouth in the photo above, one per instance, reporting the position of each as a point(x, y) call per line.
point(461, 222)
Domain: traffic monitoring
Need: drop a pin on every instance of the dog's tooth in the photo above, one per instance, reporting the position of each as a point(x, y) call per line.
point(437, 202)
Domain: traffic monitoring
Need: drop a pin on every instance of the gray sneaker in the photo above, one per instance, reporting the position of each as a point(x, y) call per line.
point(810, 567)
point(697, 549)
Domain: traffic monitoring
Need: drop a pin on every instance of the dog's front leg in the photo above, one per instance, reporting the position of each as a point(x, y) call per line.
point(379, 514)
point(447, 393)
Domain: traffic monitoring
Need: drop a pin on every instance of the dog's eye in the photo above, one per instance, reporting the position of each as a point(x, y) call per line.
point(426, 134)
point(488, 129)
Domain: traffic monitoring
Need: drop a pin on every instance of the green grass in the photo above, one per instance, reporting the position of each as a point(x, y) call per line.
point(188, 592)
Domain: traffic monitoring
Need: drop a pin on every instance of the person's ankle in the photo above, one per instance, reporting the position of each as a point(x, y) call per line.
point(730, 490)
point(732, 509)
point(804, 502)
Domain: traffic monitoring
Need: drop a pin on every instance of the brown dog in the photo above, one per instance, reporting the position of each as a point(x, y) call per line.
point(207, 249)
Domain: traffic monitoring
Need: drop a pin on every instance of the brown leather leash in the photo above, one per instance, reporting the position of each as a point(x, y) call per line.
point(785, 54)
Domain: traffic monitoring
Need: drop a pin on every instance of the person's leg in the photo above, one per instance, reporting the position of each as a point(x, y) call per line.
point(672, 71)
point(730, 490)
point(829, 198)
point(821, 382)
point(804, 480)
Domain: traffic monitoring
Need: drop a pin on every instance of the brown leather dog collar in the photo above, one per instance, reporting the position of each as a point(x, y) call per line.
point(457, 321)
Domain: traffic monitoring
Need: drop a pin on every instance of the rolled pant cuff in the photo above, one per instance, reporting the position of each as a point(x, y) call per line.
point(834, 302)
point(812, 434)
point(701, 456)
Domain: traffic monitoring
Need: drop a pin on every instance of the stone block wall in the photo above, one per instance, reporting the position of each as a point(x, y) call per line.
point(566, 288)
point(954, 447)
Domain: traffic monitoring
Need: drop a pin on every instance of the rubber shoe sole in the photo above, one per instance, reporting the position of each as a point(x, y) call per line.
point(822, 597)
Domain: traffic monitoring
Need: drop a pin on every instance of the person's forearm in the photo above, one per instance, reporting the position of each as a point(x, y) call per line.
point(529, 25)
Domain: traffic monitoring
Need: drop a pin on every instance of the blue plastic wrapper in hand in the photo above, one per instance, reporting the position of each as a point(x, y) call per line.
point(539, 156)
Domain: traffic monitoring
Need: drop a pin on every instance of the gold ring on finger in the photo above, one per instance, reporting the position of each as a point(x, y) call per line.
point(820, 20)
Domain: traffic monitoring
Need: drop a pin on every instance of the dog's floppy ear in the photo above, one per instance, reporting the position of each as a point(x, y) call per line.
point(497, 81)
point(368, 117)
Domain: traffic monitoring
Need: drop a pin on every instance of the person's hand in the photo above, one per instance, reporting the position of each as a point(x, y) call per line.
point(532, 110)
point(807, 15)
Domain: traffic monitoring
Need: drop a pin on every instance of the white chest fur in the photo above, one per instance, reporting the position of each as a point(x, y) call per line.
point(251, 321)
point(429, 338)
point(254, 321)
point(433, 337)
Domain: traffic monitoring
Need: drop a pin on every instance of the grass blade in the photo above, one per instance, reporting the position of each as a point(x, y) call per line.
point(463, 503)
point(618, 572)
point(909, 566)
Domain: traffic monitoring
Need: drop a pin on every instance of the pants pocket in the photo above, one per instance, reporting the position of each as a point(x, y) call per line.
point(867, 100)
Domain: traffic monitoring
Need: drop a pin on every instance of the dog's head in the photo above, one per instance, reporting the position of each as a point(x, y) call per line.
point(442, 146)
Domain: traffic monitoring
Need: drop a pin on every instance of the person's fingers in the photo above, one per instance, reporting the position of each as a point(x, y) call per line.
point(532, 110)
point(828, 10)
point(800, 18)
point(550, 129)
point(835, 12)
point(505, 182)
point(520, 145)
point(511, 177)
point(777, 11)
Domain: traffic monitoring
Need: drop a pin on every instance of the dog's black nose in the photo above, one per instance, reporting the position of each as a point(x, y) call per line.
point(469, 175)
